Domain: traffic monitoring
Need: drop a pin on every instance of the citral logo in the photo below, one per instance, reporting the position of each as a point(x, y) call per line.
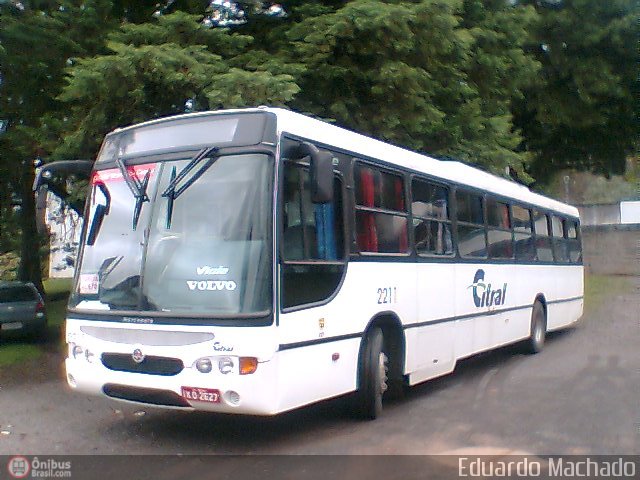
point(483, 294)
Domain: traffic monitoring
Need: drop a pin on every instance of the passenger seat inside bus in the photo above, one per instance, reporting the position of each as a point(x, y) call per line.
point(293, 242)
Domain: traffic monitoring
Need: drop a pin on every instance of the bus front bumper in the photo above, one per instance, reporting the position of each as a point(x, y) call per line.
point(190, 389)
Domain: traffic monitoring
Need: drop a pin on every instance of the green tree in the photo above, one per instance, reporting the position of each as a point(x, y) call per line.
point(155, 69)
point(582, 113)
point(32, 60)
point(434, 75)
point(38, 41)
point(500, 70)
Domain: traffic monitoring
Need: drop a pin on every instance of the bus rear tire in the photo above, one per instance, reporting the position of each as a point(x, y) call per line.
point(538, 331)
point(372, 376)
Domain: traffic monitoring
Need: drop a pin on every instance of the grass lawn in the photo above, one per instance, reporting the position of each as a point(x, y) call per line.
point(57, 288)
point(598, 287)
point(21, 350)
point(14, 352)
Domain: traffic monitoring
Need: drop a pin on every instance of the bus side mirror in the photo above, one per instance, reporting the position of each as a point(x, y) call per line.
point(322, 178)
point(321, 173)
point(46, 173)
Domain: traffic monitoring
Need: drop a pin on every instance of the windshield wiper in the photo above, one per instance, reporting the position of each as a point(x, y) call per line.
point(137, 188)
point(101, 211)
point(172, 193)
point(141, 198)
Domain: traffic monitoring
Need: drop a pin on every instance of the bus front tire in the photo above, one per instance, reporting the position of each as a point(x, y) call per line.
point(372, 377)
point(538, 332)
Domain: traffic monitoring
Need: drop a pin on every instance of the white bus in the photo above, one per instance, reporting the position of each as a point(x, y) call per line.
point(255, 261)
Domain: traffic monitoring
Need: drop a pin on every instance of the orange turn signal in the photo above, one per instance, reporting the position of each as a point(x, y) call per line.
point(248, 365)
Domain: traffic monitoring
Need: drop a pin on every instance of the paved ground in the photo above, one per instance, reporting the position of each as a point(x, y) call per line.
point(579, 396)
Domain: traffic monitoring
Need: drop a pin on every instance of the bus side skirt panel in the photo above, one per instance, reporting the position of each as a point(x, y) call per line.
point(310, 374)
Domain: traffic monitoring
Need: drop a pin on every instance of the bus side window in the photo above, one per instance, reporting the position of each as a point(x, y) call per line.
point(523, 230)
point(499, 229)
point(560, 247)
point(573, 240)
point(472, 240)
point(431, 222)
point(381, 218)
point(312, 240)
point(543, 238)
point(299, 236)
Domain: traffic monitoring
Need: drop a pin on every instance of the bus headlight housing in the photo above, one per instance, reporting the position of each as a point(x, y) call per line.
point(204, 365)
point(248, 365)
point(226, 365)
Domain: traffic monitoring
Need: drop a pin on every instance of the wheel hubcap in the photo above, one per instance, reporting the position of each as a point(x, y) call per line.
point(382, 371)
point(538, 334)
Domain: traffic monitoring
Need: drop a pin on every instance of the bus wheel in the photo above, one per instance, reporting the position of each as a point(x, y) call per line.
point(538, 328)
point(373, 371)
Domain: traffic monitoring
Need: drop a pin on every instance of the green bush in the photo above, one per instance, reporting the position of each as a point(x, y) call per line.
point(9, 266)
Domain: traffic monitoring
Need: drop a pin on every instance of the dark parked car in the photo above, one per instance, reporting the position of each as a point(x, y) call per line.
point(21, 309)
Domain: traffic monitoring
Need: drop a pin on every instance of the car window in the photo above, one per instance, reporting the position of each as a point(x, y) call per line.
point(16, 294)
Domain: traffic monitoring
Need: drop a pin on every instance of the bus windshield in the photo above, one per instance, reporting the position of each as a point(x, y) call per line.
point(206, 251)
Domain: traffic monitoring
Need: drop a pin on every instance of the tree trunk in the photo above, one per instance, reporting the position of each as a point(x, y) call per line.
point(30, 269)
point(5, 214)
point(3, 244)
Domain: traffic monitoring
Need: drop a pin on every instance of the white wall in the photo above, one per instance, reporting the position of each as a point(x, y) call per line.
point(603, 214)
point(630, 212)
point(64, 228)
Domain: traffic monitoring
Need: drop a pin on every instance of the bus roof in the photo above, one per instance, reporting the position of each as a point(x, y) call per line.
point(316, 130)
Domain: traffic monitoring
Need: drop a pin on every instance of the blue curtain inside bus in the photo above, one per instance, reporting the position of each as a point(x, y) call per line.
point(325, 229)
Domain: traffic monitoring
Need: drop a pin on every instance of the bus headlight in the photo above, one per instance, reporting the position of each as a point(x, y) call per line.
point(225, 365)
point(204, 365)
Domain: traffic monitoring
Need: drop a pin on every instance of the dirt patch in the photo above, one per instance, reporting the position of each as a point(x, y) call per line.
point(46, 366)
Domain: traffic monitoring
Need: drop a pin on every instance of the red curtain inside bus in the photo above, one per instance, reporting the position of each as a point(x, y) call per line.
point(367, 235)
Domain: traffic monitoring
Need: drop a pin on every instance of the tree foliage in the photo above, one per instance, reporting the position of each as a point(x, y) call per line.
point(435, 75)
point(583, 112)
point(32, 60)
point(153, 69)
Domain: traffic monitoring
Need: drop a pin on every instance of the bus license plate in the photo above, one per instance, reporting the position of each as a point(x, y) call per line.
point(197, 394)
point(11, 326)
